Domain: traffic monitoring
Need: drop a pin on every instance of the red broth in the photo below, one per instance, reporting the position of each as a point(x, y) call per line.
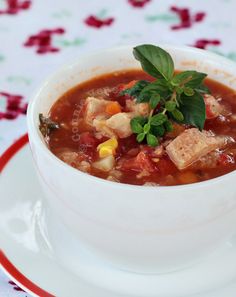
point(75, 142)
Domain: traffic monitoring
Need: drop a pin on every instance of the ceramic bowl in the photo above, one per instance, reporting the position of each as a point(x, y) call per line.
point(138, 228)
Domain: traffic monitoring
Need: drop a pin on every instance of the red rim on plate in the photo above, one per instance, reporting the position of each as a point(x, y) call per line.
point(4, 261)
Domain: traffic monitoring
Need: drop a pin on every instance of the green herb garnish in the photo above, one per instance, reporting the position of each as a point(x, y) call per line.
point(172, 97)
point(46, 125)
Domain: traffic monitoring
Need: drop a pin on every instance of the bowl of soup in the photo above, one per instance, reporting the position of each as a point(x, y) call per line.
point(135, 149)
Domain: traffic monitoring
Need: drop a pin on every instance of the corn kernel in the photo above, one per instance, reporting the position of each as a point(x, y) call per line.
point(106, 151)
point(107, 148)
point(110, 142)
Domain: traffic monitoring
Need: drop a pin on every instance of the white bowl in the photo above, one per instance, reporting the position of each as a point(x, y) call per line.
point(142, 229)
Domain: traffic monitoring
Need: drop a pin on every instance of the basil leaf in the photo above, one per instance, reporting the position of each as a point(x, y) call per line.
point(136, 89)
point(188, 91)
point(136, 126)
point(158, 119)
point(152, 140)
point(155, 61)
point(158, 130)
point(140, 137)
point(168, 126)
point(194, 110)
point(178, 115)
point(203, 89)
point(159, 86)
point(193, 78)
point(170, 105)
point(155, 99)
point(179, 90)
point(141, 120)
point(146, 128)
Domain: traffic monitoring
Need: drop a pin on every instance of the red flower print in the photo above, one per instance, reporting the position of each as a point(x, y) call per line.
point(16, 287)
point(186, 19)
point(14, 106)
point(43, 41)
point(138, 3)
point(203, 43)
point(96, 22)
point(14, 6)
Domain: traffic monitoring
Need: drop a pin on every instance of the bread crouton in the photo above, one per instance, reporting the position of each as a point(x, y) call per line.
point(191, 145)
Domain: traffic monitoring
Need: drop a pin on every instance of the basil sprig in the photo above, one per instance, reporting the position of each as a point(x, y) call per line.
point(172, 97)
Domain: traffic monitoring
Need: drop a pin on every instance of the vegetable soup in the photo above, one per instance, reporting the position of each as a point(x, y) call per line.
point(153, 127)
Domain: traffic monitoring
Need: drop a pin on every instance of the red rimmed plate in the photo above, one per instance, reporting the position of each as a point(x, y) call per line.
point(28, 257)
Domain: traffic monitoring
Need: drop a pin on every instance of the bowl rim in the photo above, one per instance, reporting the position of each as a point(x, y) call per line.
point(33, 129)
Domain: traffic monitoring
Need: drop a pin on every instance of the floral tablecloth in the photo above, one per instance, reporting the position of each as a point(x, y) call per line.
point(37, 36)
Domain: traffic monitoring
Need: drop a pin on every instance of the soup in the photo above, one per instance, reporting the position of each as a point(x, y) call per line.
point(117, 127)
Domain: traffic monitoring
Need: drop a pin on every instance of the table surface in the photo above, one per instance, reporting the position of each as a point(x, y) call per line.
point(38, 36)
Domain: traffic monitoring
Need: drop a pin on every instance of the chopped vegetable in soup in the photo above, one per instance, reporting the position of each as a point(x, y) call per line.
point(154, 127)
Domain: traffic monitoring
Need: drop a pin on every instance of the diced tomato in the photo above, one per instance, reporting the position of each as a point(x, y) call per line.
point(88, 139)
point(166, 166)
point(145, 163)
point(188, 177)
point(139, 163)
point(133, 152)
point(126, 144)
point(87, 145)
point(225, 159)
point(148, 150)
point(115, 95)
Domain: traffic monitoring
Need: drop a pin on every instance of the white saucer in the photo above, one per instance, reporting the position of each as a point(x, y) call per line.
point(31, 258)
